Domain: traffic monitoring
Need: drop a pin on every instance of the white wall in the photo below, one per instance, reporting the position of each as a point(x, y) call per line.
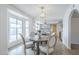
point(65, 35)
point(67, 26)
point(11, 7)
point(75, 31)
point(3, 30)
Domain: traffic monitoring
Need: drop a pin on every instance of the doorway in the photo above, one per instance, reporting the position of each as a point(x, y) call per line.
point(54, 29)
point(75, 30)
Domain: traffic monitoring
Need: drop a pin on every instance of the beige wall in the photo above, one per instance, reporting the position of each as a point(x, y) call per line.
point(75, 30)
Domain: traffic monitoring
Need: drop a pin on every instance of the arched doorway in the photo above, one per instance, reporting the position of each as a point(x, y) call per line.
point(74, 19)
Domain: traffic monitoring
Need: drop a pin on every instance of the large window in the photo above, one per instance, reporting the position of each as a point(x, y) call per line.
point(12, 29)
point(19, 28)
point(27, 29)
point(15, 28)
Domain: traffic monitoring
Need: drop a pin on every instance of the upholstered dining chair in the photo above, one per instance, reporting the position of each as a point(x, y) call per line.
point(50, 47)
point(27, 44)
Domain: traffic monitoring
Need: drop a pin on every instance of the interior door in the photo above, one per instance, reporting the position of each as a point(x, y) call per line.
point(53, 27)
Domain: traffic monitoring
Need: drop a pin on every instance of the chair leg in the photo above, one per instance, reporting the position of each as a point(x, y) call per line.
point(24, 51)
point(34, 53)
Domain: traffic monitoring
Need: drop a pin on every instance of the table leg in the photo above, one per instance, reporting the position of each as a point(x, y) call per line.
point(38, 48)
point(33, 45)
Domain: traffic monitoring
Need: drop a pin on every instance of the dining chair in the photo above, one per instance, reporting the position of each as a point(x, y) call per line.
point(50, 47)
point(27, 44)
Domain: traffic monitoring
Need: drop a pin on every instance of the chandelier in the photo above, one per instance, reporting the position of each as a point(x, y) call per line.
point(43, 13)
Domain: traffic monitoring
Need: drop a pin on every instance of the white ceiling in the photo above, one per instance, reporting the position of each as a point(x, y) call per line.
point(54, 11)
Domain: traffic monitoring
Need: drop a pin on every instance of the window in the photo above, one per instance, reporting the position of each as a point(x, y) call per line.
point(19, 29)
point(27, 29)
point(12, 29)
point(37, 25)
point(15, 28)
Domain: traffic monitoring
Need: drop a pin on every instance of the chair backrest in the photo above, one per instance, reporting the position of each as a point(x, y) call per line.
point(32, 34)
point(52, 40)
point(23, 40)
point(24, 43)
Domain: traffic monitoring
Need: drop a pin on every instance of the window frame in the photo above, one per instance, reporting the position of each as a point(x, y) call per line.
point(17, 18)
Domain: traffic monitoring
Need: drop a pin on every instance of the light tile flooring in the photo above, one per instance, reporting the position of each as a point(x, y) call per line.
point(59, 50)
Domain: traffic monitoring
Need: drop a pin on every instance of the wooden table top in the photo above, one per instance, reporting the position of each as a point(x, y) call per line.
point(36, 39)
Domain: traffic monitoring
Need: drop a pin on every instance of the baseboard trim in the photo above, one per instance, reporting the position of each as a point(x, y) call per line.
point(75, 46)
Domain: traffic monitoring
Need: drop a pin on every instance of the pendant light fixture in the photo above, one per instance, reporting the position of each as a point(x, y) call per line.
point(43, 14)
